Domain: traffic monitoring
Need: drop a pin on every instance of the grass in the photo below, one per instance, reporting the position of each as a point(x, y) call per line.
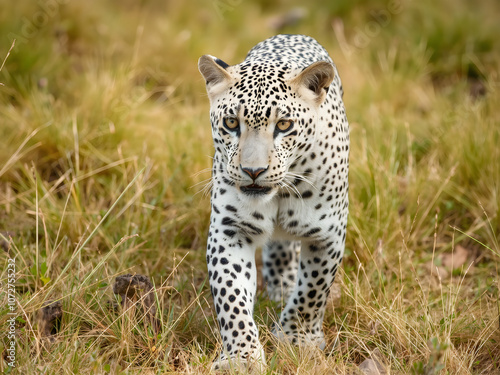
point(104, 147)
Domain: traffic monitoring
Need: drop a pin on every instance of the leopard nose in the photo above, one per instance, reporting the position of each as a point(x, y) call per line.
point(253, 172)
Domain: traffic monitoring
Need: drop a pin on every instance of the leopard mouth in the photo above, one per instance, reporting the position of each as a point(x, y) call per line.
point(254, 189)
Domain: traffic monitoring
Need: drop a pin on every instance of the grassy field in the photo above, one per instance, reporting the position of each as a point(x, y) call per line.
point(105, 149)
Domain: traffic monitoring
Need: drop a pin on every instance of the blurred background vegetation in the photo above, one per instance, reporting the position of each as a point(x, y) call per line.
point(102, 106)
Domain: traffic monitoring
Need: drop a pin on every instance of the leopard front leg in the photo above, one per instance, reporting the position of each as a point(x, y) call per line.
point(302, 318)
point(233, 239)
point(280, 262)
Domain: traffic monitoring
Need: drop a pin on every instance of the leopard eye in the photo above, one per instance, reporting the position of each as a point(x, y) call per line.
point(231, 123)
point(284, 125)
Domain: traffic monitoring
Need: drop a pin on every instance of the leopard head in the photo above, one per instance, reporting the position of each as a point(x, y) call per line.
point(263, 118)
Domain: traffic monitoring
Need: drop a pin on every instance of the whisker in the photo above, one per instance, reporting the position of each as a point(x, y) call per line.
point(202, 172)
point(301, 178)
point(310, 174)
point(202, 182)
point(285, 186)
point(206, 188)
point(203, 186)
point(292, 188)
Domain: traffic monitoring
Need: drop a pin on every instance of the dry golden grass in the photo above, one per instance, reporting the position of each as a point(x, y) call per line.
point(104, 150)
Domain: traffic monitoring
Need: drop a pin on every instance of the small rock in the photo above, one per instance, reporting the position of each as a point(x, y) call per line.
point(129, 287)
point(373, 365)
point(456, 259)
point(49, 318)
point(137, 288)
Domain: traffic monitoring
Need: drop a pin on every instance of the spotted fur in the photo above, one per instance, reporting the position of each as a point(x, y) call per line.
point(279, 182)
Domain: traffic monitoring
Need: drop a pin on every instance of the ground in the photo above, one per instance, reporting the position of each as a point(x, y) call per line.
point(105, 144)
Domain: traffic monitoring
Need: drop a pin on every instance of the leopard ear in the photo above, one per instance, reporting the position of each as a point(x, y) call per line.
point(214, 71)
point(313, 82)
